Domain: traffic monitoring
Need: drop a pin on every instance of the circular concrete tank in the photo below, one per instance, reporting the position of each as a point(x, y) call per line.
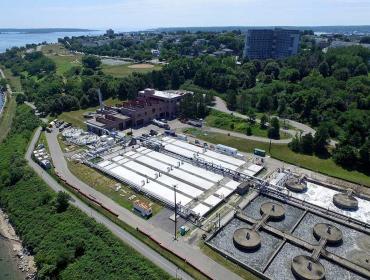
point(273, 210)
point(294, 186)
point(247, 239)
point(344, 201)
point(332, 234)
point(306, 268)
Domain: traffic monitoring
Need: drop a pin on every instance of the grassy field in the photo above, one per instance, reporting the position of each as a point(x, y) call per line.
point(106, 186)
point(8, 113)
point(283, 153)
point(62, 58)
point(76, 117)
point(228, 122)
point(14, 81)
point(42, 140)
point(7, 116)
point(120, 71)
point(65, 61)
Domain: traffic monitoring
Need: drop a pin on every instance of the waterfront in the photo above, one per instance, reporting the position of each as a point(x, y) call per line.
point(2, 99)
point(15, 262)
point(8, 264)
point(19, 39)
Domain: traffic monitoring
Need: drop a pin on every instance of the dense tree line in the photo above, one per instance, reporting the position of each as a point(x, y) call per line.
point(67, 244)
point(195, 105)
point(171, 44)
point(77, 89)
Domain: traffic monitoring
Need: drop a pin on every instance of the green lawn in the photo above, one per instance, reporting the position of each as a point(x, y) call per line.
point(42, 140)
point(14, 81)
point(120, 71)
point(7, 116)
point(228, 122)
point(65, 61)
point(106, 186)
point(282, 152)
point(76, 117)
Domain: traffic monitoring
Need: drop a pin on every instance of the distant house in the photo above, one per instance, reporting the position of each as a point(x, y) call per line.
point(342, 44)
point(219, 53)
point(155, 53)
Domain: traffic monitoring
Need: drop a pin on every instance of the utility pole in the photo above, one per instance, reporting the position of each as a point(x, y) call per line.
point(270, 146)
point(175, 232)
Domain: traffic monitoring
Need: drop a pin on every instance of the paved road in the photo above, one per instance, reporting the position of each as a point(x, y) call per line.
point(142, 248)
point(244, 136)
point(192, 254)
point(220, 105)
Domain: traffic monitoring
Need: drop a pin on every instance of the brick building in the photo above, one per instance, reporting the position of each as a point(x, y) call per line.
point(150, 104)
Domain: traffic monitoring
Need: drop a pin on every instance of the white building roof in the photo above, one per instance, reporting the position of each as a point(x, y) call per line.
point(166, 94)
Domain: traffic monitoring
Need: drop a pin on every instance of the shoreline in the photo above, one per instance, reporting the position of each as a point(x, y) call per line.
point(4, 100)
point(24, 261)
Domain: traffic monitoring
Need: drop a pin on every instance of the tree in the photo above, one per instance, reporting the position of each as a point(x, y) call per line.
point(62, 202)
point(251, 116)
point(249, 130)
point(320, 141)
point(345, 155)
point(263, 121)
point(365, 153)
point(365, 40)
point(289, 74)
point(273, 69)
point(231, 100)
point(361, 69)
point(3, 83)
point(91, 62)
point(341, 74)
point(324, 69)
point(307, 144)
point(20, 98)
point(274, 130)
point(295, 144)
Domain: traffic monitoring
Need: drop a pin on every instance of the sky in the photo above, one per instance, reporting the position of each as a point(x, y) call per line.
point(142, 14)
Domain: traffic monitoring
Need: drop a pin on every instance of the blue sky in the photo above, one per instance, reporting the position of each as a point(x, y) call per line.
point(139, 14)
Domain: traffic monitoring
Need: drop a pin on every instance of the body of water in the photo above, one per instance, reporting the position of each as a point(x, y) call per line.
point(1, 101)
point(8, 263)
point(18, 39)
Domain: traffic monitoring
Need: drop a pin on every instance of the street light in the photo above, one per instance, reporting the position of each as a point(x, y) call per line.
point(175, 232)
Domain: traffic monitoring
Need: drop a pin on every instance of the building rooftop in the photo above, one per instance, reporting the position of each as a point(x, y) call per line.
point(96, 123)
point(168, 94)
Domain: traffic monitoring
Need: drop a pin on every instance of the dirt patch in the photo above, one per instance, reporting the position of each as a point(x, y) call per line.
point(141, 66)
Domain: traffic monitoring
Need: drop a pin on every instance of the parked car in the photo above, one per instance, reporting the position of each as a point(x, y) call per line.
point(170, 133)
point(153, 132)
point(195, 123)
